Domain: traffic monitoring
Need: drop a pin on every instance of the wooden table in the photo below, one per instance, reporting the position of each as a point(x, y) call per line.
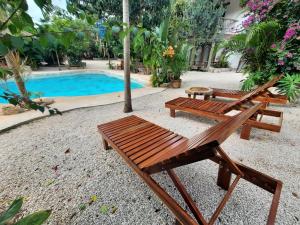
point(206, 92)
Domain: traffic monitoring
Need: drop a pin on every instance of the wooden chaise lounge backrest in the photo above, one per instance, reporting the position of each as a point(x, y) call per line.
point(190, 151)
point(253, 93)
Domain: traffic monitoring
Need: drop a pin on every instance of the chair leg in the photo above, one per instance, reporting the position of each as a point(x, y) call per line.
point(187, 198)
point(177, 222)
point(105, 144)
point(224, 176)
point(245, 133)
point(172, 113)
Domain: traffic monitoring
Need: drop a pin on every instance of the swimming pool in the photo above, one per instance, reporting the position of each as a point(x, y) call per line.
point(71, 84)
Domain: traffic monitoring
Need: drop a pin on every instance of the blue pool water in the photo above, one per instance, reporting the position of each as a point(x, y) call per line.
point(79, 84)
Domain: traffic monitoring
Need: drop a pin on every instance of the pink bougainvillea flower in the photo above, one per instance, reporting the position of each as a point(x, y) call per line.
point(273, 45)
point(289, 55)
point(290, 32)
point(280, 62)
point(248, 21)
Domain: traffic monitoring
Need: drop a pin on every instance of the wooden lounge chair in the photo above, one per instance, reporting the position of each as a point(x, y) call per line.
point(220, 111)
point(265, 96)
point(148, 148)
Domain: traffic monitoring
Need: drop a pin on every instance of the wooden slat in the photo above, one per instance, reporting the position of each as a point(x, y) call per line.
point(145, 160)
point(116, 130)
point(171, 143)
point(130, 130)
point(145, 138)
point(122, 124)
point(136, 135)
point(141, 149)
point(117, 122)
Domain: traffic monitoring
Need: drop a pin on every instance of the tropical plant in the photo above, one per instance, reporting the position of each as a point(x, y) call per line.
point(290, 86)
point(16, 26)
point(270, 44)
point(9, 216)
point(254, 44)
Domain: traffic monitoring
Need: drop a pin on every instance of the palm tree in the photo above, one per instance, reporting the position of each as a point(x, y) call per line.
point(127, 91)
point(14, 61)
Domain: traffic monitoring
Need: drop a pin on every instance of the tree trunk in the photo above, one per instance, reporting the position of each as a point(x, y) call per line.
point(57, 58)
point(127, 91)
point(211, 54)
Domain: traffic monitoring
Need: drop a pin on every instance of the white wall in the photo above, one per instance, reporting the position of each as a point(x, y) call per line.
point(234, 11)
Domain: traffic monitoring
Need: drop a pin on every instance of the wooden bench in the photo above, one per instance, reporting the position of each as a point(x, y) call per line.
point(264, 96)
point(148, 148)
point(220, 111)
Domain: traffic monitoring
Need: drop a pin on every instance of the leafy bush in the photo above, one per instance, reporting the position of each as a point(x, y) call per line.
point(36, 218)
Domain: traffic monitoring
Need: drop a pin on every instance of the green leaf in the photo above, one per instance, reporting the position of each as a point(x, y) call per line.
point(27, 18)
point(82, 207)
point(290, 86)
point(13, 209)
point(90, 20)
point(12, 28)
point(47, 39)
point(4, 73)
point(104, 209)
point(13, 101)
point(36, 218)
point(17, 42)
point(44, 5)
point(18, 22)
point(67, 39)
point(3, 49)
point(24, 6)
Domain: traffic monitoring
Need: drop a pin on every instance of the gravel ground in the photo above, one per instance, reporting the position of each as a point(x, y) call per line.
point(58, 163)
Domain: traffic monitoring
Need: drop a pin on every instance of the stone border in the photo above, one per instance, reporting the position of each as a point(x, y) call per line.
point(65, 111)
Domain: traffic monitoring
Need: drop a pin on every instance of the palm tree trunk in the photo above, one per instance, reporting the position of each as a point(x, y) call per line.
point(57, 58)
point(211, 54)
point(127, 91)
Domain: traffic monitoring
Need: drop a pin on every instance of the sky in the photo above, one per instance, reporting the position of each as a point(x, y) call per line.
point(36, 13)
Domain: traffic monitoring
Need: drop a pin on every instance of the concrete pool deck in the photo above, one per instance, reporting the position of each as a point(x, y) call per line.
point(69, 103)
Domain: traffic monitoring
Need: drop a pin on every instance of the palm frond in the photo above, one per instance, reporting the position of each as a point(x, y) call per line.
point(235, 44)
point(290, 86)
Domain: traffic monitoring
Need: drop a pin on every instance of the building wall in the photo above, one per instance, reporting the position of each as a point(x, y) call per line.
point(234, 12)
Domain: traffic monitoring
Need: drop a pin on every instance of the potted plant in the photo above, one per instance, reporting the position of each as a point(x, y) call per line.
point(177, 63)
